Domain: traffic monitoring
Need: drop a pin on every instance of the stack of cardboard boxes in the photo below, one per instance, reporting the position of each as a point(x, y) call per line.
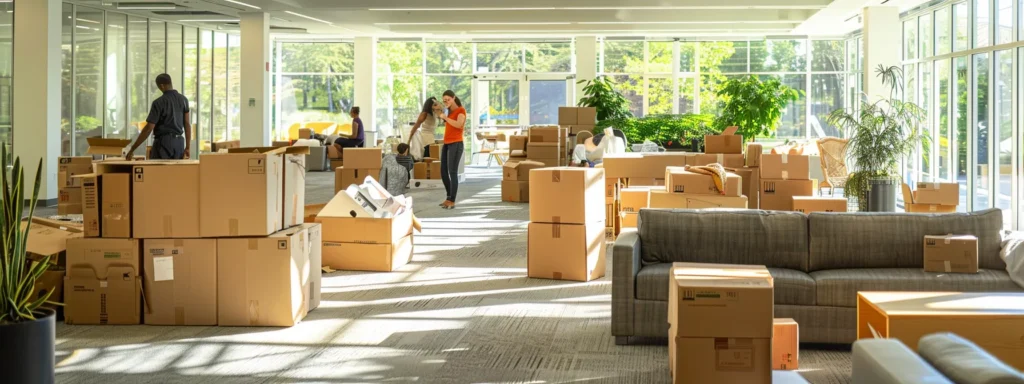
point(515, 181)
point(932, 197)
point(517, 147)
point(784, 177)
point(359, 163)
point(430, 167)
point(547, 145)
point(566, 230)
point(632, 170)
point(214, 242)
point(577, 119)
point(69, 188)
point(357, 240)
point(687, 189)
point(48, 239)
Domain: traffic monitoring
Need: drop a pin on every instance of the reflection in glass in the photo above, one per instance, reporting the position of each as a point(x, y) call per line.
point(1003, 133)
point(982, 171)
point(545, 98)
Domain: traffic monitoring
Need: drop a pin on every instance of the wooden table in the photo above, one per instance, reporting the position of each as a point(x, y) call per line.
point(992, 320)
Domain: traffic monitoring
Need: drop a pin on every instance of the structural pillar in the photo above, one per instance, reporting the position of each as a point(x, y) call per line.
point(883, 45)
point(366, 89)
point(586, 62)
point(255, 82)
point(36, 104)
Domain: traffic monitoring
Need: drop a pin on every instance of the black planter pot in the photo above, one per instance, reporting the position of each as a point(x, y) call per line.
point(674, 145)
point(695, 146)
point(27, 350)
point(882, 195)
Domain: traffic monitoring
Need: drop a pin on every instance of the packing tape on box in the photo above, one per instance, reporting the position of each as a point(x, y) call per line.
point(945, 263)
point(785, 158)
point(721, 158)
point(168, 225)
point(233, 227)
point(556, 231)
point(254, 244)
point(556, 176)
point(948, 238)
point(785, 174)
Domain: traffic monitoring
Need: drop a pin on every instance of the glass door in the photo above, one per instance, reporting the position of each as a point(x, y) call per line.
point(546, 94)
point(496, 108)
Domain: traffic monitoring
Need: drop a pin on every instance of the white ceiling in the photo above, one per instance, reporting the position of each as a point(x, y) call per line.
point(520, 18)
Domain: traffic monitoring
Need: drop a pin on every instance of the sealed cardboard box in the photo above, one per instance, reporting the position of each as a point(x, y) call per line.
point(542, 150)
point(727, 142)
point(777, 195)
point(515, 191)
point(91, 222)
point(116, 205)
point(669, 200)
point(517, 142)
point(363, 158)
point(434, 171)
point(180, 281)
point(419, 171)
point(636, 165)
point(48, 238)
point(585, 116)
point(314, 247)
point(434, 151)
point(519, 171)
point(680, 180)
point(634, 198)
point(567, 195)
point(305, 133)
point(629, 220)
point(754, 153)
point(808, 204)
point(339, 225)
point(263, 281)
point(726, 160)
point(345, 176)
point(69, 201)
point(335, 164)
point(552, 134)
point(155, 184)
point(241, 194)
point(567, 115)
point(102, 285)
point(785, 344)
point(951, 254)
point(69, 167)
point(785, 167)
point(368, 257)
point(566, 251)
point(937, 193)
point(751, 185)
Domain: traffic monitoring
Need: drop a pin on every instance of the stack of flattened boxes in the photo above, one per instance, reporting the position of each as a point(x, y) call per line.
point(359, 163)
point(784, 177)
point(547, 145)
point(566, 230)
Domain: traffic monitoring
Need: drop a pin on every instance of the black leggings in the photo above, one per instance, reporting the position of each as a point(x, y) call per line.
point(451, 155)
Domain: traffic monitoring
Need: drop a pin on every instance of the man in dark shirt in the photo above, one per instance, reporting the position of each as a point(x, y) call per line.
point(167, 121)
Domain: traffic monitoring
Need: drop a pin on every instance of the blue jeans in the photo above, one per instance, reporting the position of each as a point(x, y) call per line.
point(451, 155)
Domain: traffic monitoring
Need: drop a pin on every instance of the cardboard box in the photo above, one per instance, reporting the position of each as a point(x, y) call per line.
point(241, 194)
point(263, 281)
point(634, 198)
point(102, 285)
point(335, 164)
point(951, 254)
point(107, 147)
point(434, 151)
point(518, 142)
point(751, 185)
point(636, 165)
point(629, 220)
point(669, 200)
point(363, 158)
point(567, 115)
point(937, 193)
point(91, 217)
point(69, 201)
point(585, 116)
point(551, 135)
point(785, 167)
point(166, 200)
point(345, 176)
point(638, 182)
point(542, 150)
point(726, 160)
point(611, 210)
point(550, 163)
point(368, 257)
point(305, 133)
point(754, 153)
point(611, 188)
point(333, 153)
point(180, 281)
point(311, 211)
point(280, 144)
point(808, 204)
point(727, 142)
point(777, 195)
point(48, 238)
point(567, 195)
point(679, 180)
point(68, 167)
point(566, 251)
point(702, 360)
point(314, 247)
point(340, 227)
point(519, 171)
point(785, 345)
point(419, 171)
point(576, 129)
point(515, 191)
point(116, 205)
point(51, 282)
point(434, 171)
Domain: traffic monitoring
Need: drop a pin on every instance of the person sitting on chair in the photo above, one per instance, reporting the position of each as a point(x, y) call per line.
point(356, 138)
point(592, 151)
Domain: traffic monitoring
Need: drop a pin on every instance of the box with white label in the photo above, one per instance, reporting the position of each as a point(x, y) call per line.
point(180, 281)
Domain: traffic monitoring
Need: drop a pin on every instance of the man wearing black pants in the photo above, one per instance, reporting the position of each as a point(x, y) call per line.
point(167, 120)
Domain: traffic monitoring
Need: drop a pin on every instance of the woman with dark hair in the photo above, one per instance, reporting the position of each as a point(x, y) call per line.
point(428, 122)
point(357, 137)
point(451, 152)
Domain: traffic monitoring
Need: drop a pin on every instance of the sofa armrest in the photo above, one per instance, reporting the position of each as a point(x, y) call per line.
point(964, 362)
point(626, 265)
point(888, 361)
point(1012, 253)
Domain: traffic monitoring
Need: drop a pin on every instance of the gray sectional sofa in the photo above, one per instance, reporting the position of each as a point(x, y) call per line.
point(942, 358)
point(819, 262)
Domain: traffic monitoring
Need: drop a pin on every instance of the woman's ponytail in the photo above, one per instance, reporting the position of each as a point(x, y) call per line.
point(458, 101)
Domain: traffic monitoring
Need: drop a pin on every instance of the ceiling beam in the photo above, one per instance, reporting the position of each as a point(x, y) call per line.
point(589, 28)
point(702, 16)
point(563, 4)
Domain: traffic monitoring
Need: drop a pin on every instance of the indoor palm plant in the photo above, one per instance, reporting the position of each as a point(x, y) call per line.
point(881, 132)
point(752, 105)
point(600, 93)
point(27, 330)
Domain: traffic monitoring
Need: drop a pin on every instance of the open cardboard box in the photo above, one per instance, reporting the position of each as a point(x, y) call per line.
point(107, 147)
point(911, 205)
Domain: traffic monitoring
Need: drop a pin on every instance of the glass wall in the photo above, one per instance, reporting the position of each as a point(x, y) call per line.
point(108, 66)
point(313, 82)
point(6, 70)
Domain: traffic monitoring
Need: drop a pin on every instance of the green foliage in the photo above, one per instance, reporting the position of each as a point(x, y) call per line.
point(600, 93)
point(881, 133)
point(662, 129)
point(17, 279)
point(87, 123)
point(753, 105)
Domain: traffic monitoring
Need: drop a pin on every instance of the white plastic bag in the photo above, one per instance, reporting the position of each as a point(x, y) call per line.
point(416, 148)
point(1013, 254)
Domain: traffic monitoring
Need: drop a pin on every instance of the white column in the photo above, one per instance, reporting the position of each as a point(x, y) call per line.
point(883, 45)
point(255, 82)
point(586, 61)
point(36, 114)
point(366, 90)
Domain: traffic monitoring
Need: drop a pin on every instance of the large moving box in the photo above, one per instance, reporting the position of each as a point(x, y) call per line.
point(263, 281)
point(941, 197)
point(785, 167)
point(633, 199)
point(566, 251)
point(519, 170)
point(733, 160)
point(102, 285)
point(48, 238)
point(727, 142)
point(778, 195)
point(362, 158)
point(641, 165)
point(166, 200)
point(180, 281)
point(69, 167)
point(567, 195)
point(951, 254)
point(241, 194)
point(515, 191)
point(363, 242)
point(680, 180)
point(378, 257)
point(663, 199)
point(315, 242)
point(293, 179)
point(808, 204)
point(107, 205)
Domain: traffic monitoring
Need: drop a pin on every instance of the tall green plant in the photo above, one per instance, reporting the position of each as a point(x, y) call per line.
point(600, 93)
point(17, 279)
point(753, 105)
point(881, 133)
point(662, 129)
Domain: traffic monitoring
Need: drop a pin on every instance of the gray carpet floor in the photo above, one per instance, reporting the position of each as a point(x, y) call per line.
point(462, 312)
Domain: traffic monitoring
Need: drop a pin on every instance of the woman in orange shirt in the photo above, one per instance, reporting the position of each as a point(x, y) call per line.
point(451, 152)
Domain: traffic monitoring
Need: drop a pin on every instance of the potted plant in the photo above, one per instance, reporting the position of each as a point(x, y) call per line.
point(600, 93)
point(881, 133)
point(753, 105)
point(27, 330)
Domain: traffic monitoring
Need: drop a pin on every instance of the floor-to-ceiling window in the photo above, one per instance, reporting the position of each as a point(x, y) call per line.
point(314, 82)
point(139, 88)
point(6, 70)
point(67, 114)
point(88, 76)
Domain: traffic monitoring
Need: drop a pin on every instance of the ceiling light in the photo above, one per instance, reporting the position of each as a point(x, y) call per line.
point(210, 21)
point(87, 20)
point(243, 4)
point(307, 17)
point(146, 7)
point(477, 23)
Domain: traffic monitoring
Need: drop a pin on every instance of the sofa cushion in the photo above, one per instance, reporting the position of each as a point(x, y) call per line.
point(964, 362)
point(772, 239)
point(896, 240)
point(791, 287)
point(839, 287)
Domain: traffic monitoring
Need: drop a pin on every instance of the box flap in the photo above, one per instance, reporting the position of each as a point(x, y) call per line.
point(730, 130)
point(267, 150)
point(48, 237)
point(111, 147)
